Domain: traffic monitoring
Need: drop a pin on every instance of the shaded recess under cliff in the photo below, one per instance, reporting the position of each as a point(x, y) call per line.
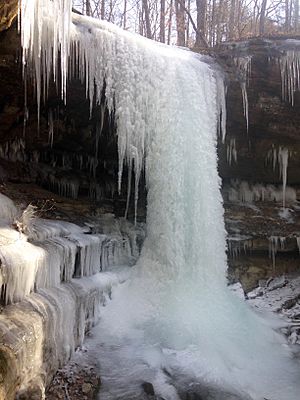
point(69, 152)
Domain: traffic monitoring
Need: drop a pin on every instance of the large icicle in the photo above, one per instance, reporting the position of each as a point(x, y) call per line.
point(45, 38)
point(280, 157)
point(283, 158)
point(244, 66)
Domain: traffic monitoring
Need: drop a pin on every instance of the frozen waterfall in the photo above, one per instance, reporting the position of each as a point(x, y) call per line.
point(175, 313)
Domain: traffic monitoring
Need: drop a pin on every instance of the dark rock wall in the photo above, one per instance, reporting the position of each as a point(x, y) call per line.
point(272, 121)
point(262, 235)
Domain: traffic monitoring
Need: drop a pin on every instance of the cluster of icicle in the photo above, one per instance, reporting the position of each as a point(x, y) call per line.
point(129, 69)
point(280, 157)
point(13, 150)
point(52, 252)
point(243, 65)
point(290, 74)
point(87, 161)
point(237, 244)
point(242, 191)
point(276, 243)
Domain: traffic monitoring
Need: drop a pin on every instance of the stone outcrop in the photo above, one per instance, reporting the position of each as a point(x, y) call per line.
point(8, 12)
point(263, 236)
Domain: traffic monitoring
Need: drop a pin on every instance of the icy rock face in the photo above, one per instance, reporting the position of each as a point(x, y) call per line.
point(57, 251)
point(39, 334)
point(55, 275)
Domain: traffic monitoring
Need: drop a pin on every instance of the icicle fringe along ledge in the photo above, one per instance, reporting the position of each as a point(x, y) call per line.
point(133, 68)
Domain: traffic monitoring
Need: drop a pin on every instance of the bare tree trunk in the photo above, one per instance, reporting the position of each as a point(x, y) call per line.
point(170, 22)
point(111, 7)
point(287, 16)
point(187, 24)
point(232, 19)
point(239, 19)
point(201, 6)
point(141, 22)
point(102, 9)
point(88, 8)
point(147, 18)
point(219, 17)
point(162, 23)
point(262, 18)
point(125, 14)
point(201, 15)
point(296, 16)
point(213, 24)
point(180, 22)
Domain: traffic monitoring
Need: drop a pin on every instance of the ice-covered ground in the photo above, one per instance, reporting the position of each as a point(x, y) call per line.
point(133, 370)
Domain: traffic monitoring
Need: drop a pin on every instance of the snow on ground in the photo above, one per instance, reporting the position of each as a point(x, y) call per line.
point(140, 379)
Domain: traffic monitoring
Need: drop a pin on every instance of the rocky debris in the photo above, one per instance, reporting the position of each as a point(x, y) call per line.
point(75, 382)
point(148, 388)
point(8, 12)
point(260, 242)
point(281, 295)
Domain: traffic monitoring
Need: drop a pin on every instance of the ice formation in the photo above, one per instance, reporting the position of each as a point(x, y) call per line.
point(244, 67)
point(53, 252)
point(64, 187)
point(283, 158)
point(242, 191)
point(275, 243)
point(237, 244)
point(13, 150)
point(231, 152)
point(290, 74)
point(298, 243)
point(171, 310)
point(280, 157)
point(51, 127)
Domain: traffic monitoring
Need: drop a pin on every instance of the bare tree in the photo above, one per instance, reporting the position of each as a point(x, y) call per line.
point(88, 8)
point(197, 23)
point(146, 15)
point(162, 23)
point(262, 18)
point(180, 21)
point(296, 16)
